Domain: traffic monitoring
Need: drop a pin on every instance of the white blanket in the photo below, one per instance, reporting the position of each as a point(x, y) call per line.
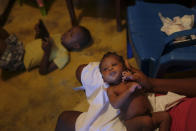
point(101, 116)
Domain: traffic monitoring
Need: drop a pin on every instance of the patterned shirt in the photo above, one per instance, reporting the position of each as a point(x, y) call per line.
point(12, 58)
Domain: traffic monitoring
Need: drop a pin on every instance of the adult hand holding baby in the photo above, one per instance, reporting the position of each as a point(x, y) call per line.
point(138, 76)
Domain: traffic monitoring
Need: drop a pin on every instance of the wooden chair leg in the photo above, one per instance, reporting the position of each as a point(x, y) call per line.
point(71, 12)
point(118, 15)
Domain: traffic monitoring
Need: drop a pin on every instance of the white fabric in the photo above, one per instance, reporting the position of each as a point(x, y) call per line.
point(165, 102)
point(177, 24)
point(101, 116)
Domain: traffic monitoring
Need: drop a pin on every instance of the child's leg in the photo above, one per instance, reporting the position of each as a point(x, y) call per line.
point(161, 120)
point(139, 123)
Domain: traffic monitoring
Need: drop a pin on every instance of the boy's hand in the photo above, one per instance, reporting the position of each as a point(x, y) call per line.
point(37, 30)
point(41, 31)
point(46, 45)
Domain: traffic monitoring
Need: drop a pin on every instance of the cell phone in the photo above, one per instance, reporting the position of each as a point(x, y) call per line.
point(43, 32)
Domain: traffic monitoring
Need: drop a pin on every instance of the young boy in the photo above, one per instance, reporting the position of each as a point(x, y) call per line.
point(133, 102)
point(48, 55)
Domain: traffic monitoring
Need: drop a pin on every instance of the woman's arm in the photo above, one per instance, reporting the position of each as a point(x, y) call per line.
point(181, 86)
point(184, 86)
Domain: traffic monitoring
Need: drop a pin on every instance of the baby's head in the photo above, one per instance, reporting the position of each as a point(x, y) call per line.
point(111, 67)
point(76, 38)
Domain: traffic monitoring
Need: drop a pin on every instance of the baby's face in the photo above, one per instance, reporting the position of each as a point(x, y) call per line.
point(111, 70)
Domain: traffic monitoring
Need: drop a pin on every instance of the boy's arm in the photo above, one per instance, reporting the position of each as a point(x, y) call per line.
point(45, 65)
point(41, 30)
point(118, 100)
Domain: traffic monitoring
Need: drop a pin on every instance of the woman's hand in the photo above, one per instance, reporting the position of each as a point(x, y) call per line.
point(138, 76)
point(126, 75)
point(141, 78)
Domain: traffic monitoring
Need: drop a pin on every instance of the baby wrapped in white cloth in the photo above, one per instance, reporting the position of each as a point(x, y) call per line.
point(101, 116)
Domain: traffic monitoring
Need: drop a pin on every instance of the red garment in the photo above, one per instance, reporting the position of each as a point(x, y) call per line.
point(184, 115)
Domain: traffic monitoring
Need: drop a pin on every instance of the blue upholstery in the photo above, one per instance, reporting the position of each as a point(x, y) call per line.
point(148, 42)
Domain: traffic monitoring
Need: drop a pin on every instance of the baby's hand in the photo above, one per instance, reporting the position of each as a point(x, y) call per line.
point(133, 86)
point(126, 75)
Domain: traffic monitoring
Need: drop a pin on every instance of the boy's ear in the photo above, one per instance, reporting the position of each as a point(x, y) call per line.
point(76, 45)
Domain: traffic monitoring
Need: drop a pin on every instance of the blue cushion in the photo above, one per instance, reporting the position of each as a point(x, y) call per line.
point(144, 24)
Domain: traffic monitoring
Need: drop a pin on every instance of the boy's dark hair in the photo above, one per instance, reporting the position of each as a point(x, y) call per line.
point(86, 38)
point(120, 58)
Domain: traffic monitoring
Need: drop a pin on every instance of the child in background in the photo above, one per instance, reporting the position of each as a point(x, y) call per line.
point(129, 97)
point(49, 55)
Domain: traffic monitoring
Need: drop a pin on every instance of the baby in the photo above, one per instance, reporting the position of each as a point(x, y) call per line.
point(129, 97)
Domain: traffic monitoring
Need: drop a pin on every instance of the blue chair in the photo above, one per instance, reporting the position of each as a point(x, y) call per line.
point(154, 51)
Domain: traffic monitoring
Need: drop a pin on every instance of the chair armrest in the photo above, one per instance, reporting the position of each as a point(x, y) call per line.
point(170, 45)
